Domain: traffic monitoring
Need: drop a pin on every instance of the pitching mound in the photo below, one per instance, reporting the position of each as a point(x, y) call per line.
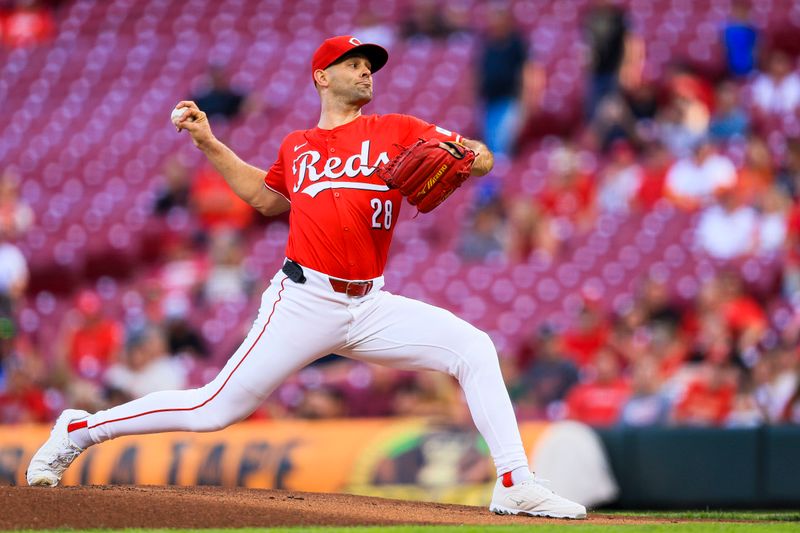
point(218, 507)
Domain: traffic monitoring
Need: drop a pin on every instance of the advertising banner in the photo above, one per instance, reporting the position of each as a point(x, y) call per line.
point(395, 458)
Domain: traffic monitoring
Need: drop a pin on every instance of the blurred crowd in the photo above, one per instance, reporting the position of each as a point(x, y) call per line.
point(707, 143)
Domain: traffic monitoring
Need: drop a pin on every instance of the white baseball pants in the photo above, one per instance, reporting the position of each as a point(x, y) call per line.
point(298, 323)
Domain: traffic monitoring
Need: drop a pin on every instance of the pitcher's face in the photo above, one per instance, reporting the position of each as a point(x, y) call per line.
point(351, 80)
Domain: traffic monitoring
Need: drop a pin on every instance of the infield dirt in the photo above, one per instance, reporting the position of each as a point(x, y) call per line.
point(222, 507)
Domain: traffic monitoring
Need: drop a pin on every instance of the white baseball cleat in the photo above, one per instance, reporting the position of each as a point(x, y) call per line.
point(533, 499)
point(56, 454)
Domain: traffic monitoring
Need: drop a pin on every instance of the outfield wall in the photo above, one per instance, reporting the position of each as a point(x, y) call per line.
point(699, 467)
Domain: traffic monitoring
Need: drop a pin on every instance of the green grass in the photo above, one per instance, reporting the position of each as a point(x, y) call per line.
point(755, 516)
point(712, 521)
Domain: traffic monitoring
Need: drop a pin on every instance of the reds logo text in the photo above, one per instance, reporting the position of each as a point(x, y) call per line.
point(309, 175)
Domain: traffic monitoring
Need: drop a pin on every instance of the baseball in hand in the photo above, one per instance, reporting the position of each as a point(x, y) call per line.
point(178, 113)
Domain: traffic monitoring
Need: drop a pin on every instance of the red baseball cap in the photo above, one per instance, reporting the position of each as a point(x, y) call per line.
point(335, 47)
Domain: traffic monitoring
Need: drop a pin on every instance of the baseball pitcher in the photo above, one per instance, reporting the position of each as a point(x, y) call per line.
point(344, 182)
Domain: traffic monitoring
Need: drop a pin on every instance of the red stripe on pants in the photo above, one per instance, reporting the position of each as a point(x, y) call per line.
point(274, 306)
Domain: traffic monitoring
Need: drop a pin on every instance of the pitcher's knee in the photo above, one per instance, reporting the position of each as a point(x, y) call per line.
point(219, 412)
point(205, 421)
point(483, 342)
point(480, 350)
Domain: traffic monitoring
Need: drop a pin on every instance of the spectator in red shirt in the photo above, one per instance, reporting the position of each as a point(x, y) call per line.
point(599, 401)
point(709, 399)
point(743, 314)
point(23, 399)
point(592, 333)
point(215, 204)
point(93, 341)
point(569, 192)
point(566, 205)
point(656, 162)
point(791, 269)
point(28, 24)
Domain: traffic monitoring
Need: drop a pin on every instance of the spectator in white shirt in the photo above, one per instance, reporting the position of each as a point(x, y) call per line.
point(693, 181)
point(13, 271)
point(372, 28)
point(727, 229)
point(773, 223)
point(229, 279)
point(777, 90)
point(147, 367)
point(16, 216)
point(13, 282)
point(620, 180)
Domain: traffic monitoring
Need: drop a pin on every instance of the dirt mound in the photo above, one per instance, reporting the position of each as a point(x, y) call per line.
point(220, 507)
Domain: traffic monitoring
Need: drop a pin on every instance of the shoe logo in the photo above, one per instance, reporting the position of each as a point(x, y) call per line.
point(516, 502)
point(296, 148)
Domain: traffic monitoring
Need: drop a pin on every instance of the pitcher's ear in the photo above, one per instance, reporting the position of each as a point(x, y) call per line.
point(321, 77)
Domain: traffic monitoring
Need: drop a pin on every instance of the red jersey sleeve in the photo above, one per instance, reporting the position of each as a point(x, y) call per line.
point(419, 129)
point(275, 180)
